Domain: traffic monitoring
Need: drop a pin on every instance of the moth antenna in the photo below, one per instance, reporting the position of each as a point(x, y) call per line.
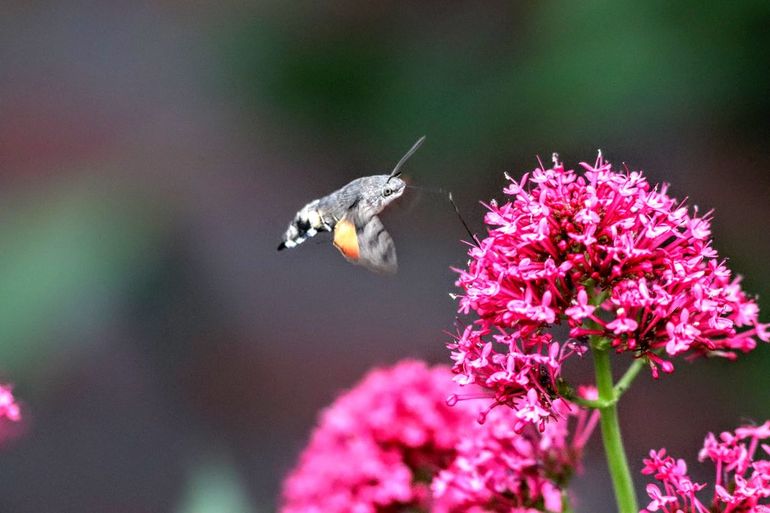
point(408, 154)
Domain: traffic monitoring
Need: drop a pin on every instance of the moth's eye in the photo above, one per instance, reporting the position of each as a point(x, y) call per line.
point(387, 192)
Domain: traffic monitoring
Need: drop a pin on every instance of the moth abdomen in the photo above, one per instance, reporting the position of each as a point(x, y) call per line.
point(307, 223)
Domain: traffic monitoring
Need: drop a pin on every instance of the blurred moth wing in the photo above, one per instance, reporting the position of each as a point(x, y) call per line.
point(367, 244)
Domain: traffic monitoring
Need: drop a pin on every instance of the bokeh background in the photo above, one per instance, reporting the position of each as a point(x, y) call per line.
point(151, 154)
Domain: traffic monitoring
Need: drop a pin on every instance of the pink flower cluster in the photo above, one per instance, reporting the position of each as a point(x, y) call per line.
point(392, 443)
point(9, 412)
point(378, 446)
point(608, 255)
point(9, 408)
point(742, 482)
point(500, 470)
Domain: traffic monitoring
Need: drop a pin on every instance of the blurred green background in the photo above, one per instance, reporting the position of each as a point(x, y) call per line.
point(151, 155)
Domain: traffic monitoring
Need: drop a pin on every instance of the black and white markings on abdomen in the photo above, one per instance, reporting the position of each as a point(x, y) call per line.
point(307, 223)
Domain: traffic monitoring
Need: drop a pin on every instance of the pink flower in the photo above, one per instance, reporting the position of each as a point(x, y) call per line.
point(9, 408)
point(393, 443)
point(379, 445)
point(525, 377)
point(610, 256)
point(499, 469)
point(581, 310)
point(741, 485)
point(9, 413)
point(658, 499)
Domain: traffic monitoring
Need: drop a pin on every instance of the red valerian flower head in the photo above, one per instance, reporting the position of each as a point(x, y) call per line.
point(10, 412)
point(378, 446)
point(394, 443)
point(9, 408)
point(500, 469)
point(610, 256)
point(741, 485)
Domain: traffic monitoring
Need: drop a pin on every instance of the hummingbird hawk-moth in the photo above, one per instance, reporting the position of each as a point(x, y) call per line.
point(351, 214)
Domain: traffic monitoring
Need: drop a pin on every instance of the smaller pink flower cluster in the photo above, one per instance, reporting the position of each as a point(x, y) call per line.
point(9, 408)
point(524, 377)
point(393, 443)
point(741, 485)
point(498, 469)
point(9, 412)
point(610, 256)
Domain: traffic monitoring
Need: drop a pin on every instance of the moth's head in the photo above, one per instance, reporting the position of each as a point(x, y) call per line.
point(392, 189)
point(394, 186)
point(381, 190)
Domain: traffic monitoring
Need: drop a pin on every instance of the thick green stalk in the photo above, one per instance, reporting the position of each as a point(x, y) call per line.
point(617, 462)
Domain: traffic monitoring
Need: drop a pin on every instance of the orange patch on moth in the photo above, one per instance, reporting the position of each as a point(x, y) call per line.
point(346, 239)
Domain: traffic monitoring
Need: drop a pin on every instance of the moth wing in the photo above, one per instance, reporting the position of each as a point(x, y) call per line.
point(377, 252)
point(367, 244)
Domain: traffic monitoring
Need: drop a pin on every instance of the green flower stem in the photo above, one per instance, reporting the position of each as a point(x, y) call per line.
point(629, 377)
point(620, 387)
point(617, 462)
